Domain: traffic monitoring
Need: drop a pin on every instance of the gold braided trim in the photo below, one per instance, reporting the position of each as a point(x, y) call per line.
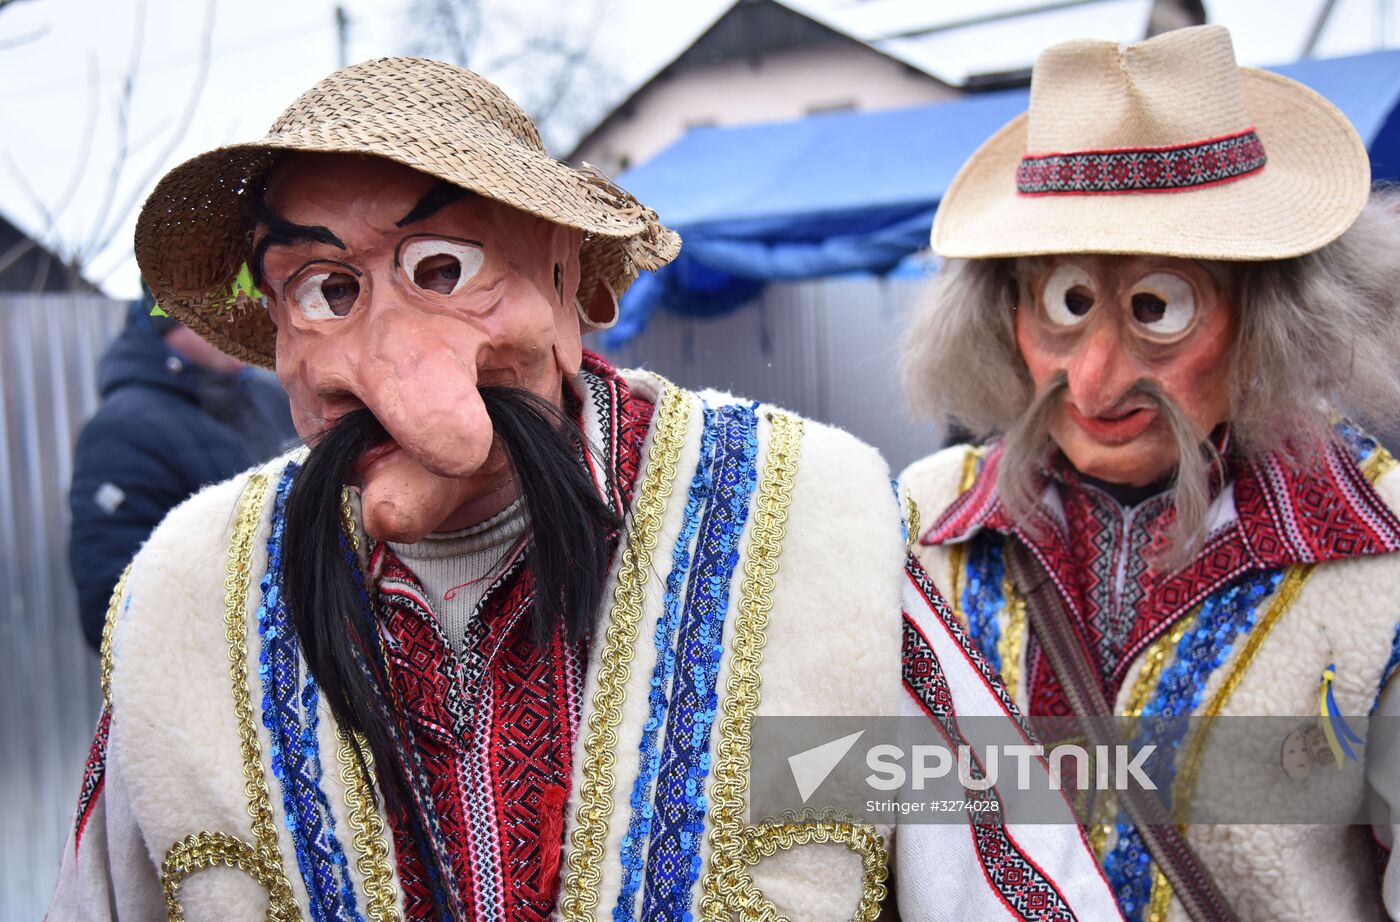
point(109, 628)
point(972, 463)
point(580, 899)
point(1013, 637)
point(263, 860)
point(367, 827)
point(208, 849)
point(1380, 463)
point(765, 840)
point(957, 577)
point(1161, 899)
point(911, 522)
point(957, 553)
point(728, 890)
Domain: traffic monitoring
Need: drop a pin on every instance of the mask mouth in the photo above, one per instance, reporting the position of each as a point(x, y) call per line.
point(367, 459)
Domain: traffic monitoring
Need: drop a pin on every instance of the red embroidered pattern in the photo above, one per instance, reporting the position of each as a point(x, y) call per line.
point(1155, 169)
point(94, 774)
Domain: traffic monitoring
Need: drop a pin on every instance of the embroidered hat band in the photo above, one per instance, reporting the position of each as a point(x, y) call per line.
point(1144, 169)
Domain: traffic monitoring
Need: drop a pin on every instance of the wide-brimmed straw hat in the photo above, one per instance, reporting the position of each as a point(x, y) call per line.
point(1165, 147)
point(195, 233)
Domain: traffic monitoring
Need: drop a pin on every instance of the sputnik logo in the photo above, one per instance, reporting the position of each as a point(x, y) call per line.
point(811, 767)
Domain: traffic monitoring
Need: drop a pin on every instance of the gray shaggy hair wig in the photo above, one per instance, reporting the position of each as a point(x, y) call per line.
point(1317, 335)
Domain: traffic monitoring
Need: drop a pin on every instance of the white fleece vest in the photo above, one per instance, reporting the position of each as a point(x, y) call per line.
point(1345, 613)
point(820, 561)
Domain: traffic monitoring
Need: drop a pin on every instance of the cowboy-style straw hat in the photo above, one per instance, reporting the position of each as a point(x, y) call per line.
point(1165, 147)
point(194, 232)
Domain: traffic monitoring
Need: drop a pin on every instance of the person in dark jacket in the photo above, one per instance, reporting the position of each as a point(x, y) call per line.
point(176, 414)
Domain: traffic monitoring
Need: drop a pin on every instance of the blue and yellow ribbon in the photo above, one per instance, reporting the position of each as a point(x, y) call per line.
point(1339, 733)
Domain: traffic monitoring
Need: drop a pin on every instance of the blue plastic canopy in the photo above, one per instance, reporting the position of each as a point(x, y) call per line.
point(856, 191)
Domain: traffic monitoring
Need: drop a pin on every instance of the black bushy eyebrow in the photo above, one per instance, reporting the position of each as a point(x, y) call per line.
point(280, 232)
point(436, 199)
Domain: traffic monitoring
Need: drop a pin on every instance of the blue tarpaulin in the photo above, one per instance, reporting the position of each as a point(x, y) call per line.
point(856, 191)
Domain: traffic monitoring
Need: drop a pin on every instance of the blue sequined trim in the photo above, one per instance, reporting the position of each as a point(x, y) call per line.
point(639, 826)
point(1360, 445)
point(292, 721)
point(983, 598)
point(673, 863)
point(1225, 616)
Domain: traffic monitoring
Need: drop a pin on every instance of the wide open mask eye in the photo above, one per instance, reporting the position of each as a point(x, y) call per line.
point(1068, 295)
point(326, 294)
point(1163, 304)
point(441, 264)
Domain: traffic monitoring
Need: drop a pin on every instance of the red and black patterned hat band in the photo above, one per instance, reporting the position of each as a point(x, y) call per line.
point(1143, 169)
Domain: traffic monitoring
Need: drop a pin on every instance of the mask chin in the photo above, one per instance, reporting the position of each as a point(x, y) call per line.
point(402, 501)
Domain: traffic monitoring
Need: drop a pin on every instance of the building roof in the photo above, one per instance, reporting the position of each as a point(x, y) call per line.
point(27, 265)
point(747, 29)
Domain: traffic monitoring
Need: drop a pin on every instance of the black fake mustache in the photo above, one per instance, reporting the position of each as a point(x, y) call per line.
point(567, 554)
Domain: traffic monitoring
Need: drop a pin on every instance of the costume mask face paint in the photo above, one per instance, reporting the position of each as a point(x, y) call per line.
point(1110, 322)
point(402, 294)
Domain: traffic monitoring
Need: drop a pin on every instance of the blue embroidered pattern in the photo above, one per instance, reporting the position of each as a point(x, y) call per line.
point(639, 825)
point(295, 755)
point(983, 598)
point(673, 865)
point(1225, 616)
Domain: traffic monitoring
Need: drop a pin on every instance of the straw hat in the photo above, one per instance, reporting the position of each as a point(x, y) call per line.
point(1164, 147)
point(194, 233)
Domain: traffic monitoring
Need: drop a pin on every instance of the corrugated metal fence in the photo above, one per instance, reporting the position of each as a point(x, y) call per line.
point(824, 349)
point(49, 347)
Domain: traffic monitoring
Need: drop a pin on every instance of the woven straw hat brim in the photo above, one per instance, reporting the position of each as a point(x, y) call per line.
point(1311, 190)
point(192, 234)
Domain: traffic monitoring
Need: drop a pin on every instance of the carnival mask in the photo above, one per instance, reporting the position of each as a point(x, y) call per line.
point(397, 293)
point(1126, 333)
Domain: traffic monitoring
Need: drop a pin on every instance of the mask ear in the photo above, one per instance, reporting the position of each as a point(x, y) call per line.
point(598, 308)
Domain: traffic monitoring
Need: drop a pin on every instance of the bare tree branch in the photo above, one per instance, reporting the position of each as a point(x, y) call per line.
point(549, 64)
point(133, 67)
point(76, 253)
point(24, 39)
point(177, 136)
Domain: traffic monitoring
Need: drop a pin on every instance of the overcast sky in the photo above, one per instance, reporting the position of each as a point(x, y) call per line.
point(266, 52)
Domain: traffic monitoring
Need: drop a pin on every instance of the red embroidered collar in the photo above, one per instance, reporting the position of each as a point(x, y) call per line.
point(1283, 514)
point(1270, 515)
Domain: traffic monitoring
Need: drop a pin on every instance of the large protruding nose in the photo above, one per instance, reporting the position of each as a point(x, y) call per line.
point(1101, 371)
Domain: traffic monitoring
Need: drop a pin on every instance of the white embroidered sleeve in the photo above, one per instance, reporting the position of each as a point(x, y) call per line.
point(996, 870)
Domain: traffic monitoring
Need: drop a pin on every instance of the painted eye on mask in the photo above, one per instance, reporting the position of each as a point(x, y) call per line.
point(441, 265)
point(1068, 296)
point(326, 295)
point(1163, 304)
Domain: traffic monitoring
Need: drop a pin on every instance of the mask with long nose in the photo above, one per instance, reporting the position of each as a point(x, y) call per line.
point(1118, 337)
point(398, 293)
